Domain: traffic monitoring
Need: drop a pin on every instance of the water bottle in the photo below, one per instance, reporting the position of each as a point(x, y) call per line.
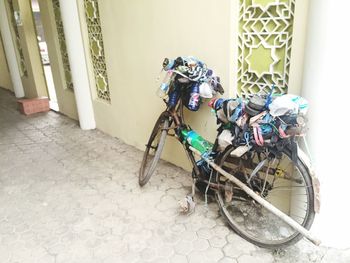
point(193, 102)
point(196, 141)
point(164, 87)
point(173, 98)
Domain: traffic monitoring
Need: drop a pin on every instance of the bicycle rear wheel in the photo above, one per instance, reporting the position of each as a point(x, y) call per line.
point(154, 149)
point(284, 184)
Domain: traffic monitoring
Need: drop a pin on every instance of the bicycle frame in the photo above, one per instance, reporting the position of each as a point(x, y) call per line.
point(177, 116)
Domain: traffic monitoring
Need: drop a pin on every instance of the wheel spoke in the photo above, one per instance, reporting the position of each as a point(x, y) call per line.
point(291, 193)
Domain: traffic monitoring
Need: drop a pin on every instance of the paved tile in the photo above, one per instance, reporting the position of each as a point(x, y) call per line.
point(68, 195)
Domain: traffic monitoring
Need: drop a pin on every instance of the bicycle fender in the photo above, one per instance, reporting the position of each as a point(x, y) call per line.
point(315, 181)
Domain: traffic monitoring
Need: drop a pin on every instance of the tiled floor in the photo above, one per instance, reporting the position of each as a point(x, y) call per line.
point(68, 195)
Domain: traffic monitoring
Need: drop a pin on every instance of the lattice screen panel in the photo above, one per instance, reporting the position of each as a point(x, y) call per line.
point(97, 49)
point(23, 67)
point(265, 43)
point(62, 43)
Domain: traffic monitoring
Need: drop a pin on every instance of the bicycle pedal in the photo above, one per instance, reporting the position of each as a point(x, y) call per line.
point(187, 205)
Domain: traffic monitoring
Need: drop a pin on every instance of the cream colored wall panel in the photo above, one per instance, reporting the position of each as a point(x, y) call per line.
point(137, 36)
point(59, 62)
point(298, 46)
point(33, 78)
point(5, 78)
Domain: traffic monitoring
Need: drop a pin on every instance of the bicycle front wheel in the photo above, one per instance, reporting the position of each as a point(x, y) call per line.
point(154, 149)
point(281, 182)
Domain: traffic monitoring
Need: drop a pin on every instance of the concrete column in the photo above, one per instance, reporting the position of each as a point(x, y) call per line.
point(326, 86)
point(77, 60)
point(9, 47)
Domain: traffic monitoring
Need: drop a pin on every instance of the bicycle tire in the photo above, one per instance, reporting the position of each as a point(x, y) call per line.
point(159, 132)
point(265, 223)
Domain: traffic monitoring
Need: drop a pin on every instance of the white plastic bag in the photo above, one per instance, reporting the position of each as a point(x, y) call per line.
point(288, 104)
point(225, 139)
point(205, 91)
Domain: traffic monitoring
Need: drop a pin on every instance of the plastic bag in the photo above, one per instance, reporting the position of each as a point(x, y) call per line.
point(288, 104)
point(225, 139)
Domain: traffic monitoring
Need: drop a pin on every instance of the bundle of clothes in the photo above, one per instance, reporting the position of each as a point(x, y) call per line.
point(259, 121)
point(193, 80)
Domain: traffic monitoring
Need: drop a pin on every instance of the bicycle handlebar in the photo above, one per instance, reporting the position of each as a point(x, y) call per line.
point(218, 87)
point(183, 75)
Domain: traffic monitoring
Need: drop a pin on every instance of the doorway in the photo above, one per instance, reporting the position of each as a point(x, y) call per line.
point(44, 55)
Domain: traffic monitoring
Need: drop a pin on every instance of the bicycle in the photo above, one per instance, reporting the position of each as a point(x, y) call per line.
point(242, 182)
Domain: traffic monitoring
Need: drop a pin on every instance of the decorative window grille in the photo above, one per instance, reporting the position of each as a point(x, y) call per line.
point(265, 43)
point(62, 43)
point(23, 67)
point(97, 49)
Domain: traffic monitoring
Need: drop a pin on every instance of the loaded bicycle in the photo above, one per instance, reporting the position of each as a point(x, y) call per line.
point(262, 181)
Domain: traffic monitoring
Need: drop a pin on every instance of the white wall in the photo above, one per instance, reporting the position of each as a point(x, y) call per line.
point(9, 49)
point(326, 86)
point(77, 61)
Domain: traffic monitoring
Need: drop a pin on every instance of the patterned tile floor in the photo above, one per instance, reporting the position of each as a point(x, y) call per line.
point(68, 195)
